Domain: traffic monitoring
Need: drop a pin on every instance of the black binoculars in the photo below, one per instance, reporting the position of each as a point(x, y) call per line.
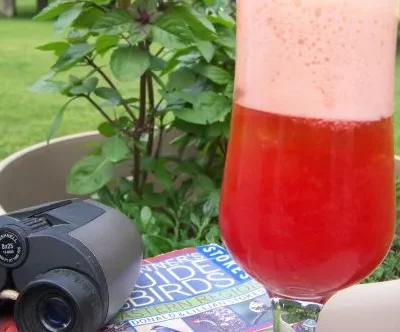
point(73, 262)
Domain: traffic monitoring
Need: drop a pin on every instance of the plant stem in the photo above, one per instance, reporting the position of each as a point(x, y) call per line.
point(224, 147)
point(159, 51)
point(212, 153)
point(159, 103)
point(99, 109)
point(138, 132)
point(152, 115)
point(159, 143)
point(176, 229)
point(112, 85)
point(150, 125)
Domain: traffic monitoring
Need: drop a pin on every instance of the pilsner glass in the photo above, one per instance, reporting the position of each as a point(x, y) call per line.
point(308, 198)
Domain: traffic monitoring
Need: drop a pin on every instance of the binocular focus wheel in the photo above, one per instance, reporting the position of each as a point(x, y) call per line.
point(57, 301)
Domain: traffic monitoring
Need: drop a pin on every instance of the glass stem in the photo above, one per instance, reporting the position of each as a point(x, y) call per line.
point(295, 316)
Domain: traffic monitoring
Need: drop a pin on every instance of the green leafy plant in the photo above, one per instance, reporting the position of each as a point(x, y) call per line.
point(160, 74)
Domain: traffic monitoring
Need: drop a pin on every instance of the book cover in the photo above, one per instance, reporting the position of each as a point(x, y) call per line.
point(194, 290)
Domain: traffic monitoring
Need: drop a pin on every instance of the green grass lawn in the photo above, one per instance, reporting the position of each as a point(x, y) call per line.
point(25, 117)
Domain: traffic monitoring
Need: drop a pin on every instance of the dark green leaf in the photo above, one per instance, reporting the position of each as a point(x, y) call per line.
point(149, 164)
point(190, 243)
point(109, 94)
point(91, 83)
point(203, 183)
point(213, 235)
point(209, 3)
point(123, 121)
point(100, 2)
point(147, 6)
point(78, 36)
point(181, 79)
point(56, 47)
point(175, 59)
point(217, 129)
point(106, 129)
point(214, 73)
point(67, 18)
point(154, 199)
point(115, 149)
point(226, 37)
point(229, 90)
point(87, 86)
point(106, 196)
point(195, 220)
point(179, 97)
point(168, 118)
point(138, 32)
point(129, 63)
point(216, 106)
point(223, 19)
point(183, 22)
point(132, 100)
point(74, 80)
point(209, 107)
point(113, 22)
point(165, 38)
point(204, 21)
point(164, 177)
point(58, 119)
point(155, 244)
point(211, 206)
point(131, 210)
point(89, 175)
point(72, 55)
point(172, 31)
point(156, 63)
point(145, 214)
point(104, 43)
point(181, 140)
point(43, 86)
point(88, 18)
point(206, 49)
point(54, 9)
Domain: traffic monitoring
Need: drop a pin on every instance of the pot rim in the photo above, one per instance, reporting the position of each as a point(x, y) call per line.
point(18, 154)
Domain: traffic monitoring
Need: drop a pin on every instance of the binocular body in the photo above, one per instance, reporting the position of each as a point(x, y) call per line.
point(74, 263)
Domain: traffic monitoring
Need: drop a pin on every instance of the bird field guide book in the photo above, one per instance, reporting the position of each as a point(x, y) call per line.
point(198, 289)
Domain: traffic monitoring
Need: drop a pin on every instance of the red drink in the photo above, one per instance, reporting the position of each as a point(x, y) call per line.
point(308, 199)
point(307, 205)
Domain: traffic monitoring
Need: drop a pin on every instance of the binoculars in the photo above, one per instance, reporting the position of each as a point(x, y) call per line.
point(73, 262)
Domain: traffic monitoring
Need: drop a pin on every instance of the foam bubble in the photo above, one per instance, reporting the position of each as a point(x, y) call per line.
point(337, 62)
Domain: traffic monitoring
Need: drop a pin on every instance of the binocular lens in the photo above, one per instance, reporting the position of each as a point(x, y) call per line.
point(55, 313)
point(59, 301)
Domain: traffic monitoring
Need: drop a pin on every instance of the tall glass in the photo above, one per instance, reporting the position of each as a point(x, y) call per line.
point(308, 198)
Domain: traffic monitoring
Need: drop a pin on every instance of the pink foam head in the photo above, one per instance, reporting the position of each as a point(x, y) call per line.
point(325, 59)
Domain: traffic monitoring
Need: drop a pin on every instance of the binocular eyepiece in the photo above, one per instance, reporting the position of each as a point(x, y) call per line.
point(73, 262)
